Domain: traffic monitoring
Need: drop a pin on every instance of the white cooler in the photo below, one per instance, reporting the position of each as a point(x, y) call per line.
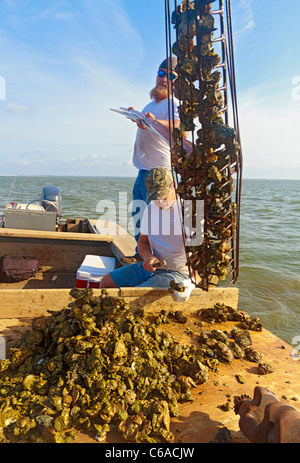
point(92, 269)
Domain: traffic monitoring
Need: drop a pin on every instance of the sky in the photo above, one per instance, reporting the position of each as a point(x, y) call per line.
point(64, 64)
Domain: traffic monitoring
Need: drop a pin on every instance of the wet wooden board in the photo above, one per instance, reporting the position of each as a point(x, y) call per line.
point(200, 420)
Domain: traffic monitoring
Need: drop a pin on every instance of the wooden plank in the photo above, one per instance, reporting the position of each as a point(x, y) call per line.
point(30, 303)
point(6, 234)
point(122, 248)
point(158, 299)
point(35, 302)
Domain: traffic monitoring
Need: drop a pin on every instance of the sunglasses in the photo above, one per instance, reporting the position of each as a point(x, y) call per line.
point(163, 74)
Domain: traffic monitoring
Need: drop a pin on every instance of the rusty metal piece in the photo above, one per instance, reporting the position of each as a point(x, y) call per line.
point(265, 419)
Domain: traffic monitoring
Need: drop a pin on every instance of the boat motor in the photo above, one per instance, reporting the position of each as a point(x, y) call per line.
point(51, 199)
point(39, 214)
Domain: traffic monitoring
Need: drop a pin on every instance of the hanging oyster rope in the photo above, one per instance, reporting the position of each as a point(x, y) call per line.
point(206, 174)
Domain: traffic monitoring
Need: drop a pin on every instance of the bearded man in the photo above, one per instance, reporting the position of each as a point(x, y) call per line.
point(149, 150)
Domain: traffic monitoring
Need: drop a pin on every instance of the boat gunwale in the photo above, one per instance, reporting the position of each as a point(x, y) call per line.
point(6, 234)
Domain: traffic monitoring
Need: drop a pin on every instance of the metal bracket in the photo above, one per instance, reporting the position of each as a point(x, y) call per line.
point(265, 419)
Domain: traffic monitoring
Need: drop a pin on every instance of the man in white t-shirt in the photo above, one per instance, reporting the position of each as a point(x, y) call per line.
point(149, 150)
point(161, 245)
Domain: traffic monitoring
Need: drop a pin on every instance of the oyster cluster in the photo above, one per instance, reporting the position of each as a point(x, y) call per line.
point(236, 344)
point(217, 346)
point(96, 366)
point(223, 313)
point(206, 173)
point(220, 346)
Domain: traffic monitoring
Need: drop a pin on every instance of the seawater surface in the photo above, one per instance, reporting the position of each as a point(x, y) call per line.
point(269, 272)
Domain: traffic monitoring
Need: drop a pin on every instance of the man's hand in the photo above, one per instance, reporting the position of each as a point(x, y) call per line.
point(148, 263)
point(131, 108)
point(140, 124)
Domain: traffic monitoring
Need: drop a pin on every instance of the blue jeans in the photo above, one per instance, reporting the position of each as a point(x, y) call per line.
point(136, 275)
point(139, 193)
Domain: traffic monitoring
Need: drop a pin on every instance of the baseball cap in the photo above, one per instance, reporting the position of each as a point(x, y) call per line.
point(172, 63)
point(158, 182)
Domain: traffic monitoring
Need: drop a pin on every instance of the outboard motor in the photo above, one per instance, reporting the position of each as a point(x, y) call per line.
point(51, 199)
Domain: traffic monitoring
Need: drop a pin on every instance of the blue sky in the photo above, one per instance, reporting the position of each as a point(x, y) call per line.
point(65, 63)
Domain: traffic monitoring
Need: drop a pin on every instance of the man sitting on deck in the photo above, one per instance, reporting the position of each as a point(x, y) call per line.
point(161, 244)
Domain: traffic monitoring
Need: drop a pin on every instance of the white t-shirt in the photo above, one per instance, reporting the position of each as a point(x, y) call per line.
point(149, 150)
point(164, 231)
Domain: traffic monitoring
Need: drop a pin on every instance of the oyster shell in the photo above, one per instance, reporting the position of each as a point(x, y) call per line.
point(253, 355)
point(241, 337)
point(265, 368)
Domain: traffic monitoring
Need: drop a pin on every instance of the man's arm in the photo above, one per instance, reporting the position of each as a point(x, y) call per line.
point(146, 254)
point(174, 124)
point(165, 123)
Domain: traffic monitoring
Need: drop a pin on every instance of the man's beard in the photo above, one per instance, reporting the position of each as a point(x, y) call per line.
point(159, 92)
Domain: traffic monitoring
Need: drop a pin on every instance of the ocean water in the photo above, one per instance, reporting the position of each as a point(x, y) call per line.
point(269, 272)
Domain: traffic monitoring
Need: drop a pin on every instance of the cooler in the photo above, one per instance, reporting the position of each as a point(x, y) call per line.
point(92, 269)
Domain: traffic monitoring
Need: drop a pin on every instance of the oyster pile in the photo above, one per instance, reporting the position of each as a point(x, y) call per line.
point(206, 173)
point(96, 366)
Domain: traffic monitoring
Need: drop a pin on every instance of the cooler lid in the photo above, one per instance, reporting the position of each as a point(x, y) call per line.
point(94, 267)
